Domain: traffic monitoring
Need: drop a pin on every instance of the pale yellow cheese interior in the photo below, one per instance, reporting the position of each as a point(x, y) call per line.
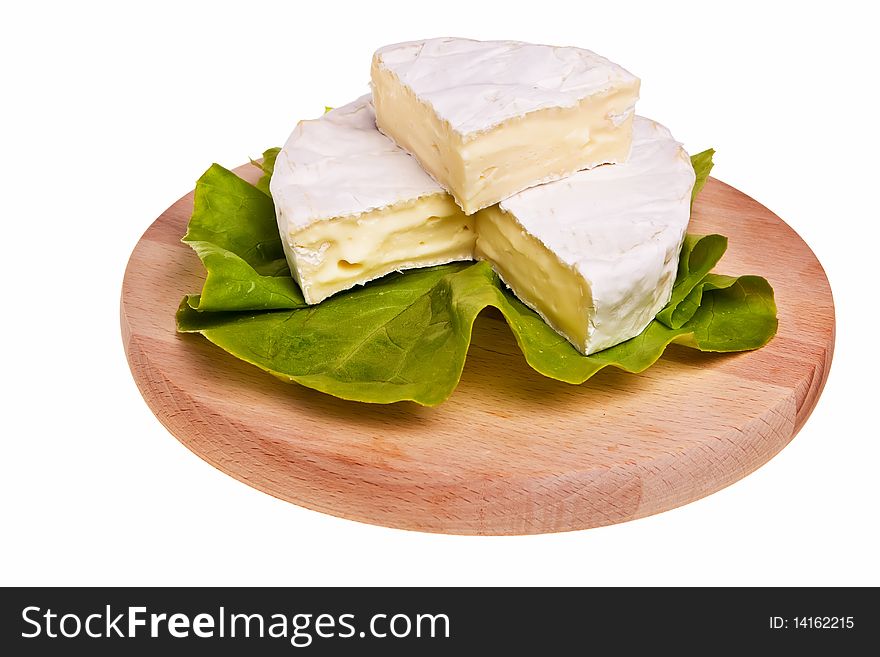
point(484, 168)
point(552, 289)
point(335, 255)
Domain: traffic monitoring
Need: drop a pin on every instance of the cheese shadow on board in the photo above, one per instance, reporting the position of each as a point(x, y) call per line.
point(495, 362)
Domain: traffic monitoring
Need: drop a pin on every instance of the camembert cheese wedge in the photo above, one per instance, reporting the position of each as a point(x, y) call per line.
point(488, 119)
point(353, 206)
point(596, 254)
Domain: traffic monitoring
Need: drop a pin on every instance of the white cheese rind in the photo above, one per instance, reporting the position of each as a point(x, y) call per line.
point(618, 229)
point(477, 85)
point(353, 206)
point(339, 165)
point(490, 119)
point(595, 254)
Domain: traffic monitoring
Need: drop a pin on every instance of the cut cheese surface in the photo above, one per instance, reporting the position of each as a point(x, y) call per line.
point(352, 206)
point(596, 254)
point(488, 119)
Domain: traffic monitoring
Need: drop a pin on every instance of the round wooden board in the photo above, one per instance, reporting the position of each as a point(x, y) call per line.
point(511, 452)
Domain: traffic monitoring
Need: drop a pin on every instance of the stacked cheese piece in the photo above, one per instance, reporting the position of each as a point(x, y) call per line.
point(492, 150)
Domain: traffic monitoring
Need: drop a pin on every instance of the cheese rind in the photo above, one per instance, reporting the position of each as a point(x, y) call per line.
point(488, 119)
point(352, 206)
point(596, 254)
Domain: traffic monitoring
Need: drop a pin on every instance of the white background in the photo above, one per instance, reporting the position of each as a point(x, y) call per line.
point(110, 113)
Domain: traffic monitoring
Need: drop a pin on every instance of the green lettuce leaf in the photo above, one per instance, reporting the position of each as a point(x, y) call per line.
point(697, 258)
point(234, 232)
point(406, 336)
point(702, 163)
point(266, 164)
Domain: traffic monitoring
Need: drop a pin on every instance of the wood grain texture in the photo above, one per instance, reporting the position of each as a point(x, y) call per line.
point(511, 452)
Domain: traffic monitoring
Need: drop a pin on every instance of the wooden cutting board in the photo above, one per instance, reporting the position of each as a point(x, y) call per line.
point(511, 452)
